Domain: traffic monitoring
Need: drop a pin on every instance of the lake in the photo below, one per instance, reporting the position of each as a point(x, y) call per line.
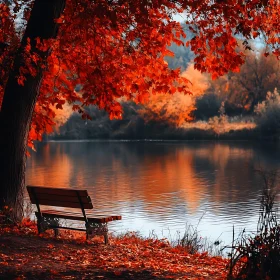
point(160, 187)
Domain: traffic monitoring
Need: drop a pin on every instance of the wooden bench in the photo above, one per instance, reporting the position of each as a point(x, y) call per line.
point(69, 198)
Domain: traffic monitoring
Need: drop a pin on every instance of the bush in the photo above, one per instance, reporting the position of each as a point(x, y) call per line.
point(258, 257)
point(268, 112)
point(207, 106)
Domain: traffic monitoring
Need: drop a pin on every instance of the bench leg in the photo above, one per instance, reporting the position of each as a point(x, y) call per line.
point(56, 232)
point(98, 229)
point(106, 238)
point(39, 227)
point(44, 223)
point(40, 223)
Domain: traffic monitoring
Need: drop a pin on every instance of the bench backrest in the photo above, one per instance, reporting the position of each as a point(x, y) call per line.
point(59, 197)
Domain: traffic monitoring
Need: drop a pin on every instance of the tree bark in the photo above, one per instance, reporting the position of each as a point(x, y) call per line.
point(18, 106)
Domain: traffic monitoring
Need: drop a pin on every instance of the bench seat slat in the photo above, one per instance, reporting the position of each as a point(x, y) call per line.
point(56, 191)
point(45, 196)
point(65, 204)
point(58, 198)
point(78, 217)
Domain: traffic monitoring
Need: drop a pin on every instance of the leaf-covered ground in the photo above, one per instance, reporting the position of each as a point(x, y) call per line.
point(25, 255)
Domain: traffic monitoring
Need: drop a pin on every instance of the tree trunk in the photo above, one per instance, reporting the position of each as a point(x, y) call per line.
point(18, 106)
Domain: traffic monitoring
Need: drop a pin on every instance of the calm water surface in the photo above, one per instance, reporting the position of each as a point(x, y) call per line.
point(161, 187)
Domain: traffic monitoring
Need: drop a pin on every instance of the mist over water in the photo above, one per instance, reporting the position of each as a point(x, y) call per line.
point(162, 186)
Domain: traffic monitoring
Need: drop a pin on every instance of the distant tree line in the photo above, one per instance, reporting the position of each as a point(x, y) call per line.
point(242, 91)
point(234, 95)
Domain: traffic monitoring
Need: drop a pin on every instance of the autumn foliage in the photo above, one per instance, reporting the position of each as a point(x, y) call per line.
point(116, 49)
point(127, 257)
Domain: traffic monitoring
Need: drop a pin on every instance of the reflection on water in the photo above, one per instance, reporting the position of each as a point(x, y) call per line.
point(162, 186)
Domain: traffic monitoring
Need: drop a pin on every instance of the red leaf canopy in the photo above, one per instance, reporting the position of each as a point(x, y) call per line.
point(115, 49)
